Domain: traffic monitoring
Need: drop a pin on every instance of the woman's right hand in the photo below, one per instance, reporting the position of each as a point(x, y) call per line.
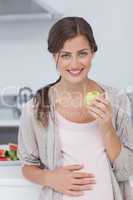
point(70, 181)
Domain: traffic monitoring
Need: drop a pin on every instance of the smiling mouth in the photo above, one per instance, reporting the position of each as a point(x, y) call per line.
point(75, 72)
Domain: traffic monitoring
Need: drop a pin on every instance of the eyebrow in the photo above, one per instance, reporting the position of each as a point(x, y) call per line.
point(71, 52)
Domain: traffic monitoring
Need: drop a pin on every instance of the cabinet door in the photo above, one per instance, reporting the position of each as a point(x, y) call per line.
point(19, 192)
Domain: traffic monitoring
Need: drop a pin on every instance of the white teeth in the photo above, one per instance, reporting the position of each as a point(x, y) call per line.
point(75, 71)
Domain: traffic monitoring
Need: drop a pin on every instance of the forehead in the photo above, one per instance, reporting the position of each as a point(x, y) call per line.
point(75, 44)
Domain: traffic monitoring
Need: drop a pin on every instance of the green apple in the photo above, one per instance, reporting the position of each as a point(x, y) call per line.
point(90, 97)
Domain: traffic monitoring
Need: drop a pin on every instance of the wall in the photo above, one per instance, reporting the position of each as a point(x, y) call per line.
point(23, 55)
point(24, 59)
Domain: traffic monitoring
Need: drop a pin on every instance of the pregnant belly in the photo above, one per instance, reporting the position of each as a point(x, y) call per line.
point(99, 167)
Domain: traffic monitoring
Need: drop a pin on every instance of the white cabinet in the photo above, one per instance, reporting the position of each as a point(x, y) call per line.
point(14, 186)
point(14, 192)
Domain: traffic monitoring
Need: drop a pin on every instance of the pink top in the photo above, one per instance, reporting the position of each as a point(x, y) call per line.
point(82, 143)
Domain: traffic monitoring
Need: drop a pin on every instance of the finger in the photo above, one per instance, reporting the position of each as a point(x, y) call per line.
point(99, 105)
point(97, 112)
point(84, 181)
point(94, 114)
point(102, 109)
point(102, 95)
point(74, 193)
point(81, 188)
point(82, 175)
point(73, 167)
point(103, 100)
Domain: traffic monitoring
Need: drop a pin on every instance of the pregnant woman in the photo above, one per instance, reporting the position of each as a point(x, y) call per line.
point(76, 149)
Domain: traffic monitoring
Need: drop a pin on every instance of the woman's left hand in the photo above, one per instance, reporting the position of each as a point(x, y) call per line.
point(101, 109)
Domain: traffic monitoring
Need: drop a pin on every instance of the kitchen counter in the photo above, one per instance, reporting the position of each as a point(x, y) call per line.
point(12, 175)
point(14, 186)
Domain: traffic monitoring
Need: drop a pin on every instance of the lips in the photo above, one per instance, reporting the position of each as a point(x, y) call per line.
point(75, 71)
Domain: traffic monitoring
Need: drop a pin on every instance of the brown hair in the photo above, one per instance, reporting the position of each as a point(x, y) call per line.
point(64, 29)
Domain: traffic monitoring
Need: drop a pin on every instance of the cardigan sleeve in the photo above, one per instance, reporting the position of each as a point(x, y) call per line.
point(123, 164)
point(27, 144)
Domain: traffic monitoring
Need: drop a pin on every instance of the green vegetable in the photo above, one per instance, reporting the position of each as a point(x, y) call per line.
point(12, 154)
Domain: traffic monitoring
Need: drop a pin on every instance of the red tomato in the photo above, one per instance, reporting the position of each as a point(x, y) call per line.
point(4, 159)
point(13, 147)
point(2, 152)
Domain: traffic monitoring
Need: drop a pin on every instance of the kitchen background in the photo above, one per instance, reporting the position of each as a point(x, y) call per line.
point(26, 65)
point(25, 61)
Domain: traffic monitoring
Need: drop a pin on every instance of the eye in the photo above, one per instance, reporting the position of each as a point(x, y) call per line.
point(83, 54)
point(66, 56)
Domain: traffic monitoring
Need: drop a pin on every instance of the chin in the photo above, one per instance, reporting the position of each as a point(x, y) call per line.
point(76, 80)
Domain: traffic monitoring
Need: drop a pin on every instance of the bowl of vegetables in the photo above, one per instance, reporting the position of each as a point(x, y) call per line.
point(8, 154)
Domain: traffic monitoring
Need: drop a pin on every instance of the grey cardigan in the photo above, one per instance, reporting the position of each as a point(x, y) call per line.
point(41, 147)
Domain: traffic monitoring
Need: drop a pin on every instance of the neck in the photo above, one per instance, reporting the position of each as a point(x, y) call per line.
point(64, 85)
point(71, 94)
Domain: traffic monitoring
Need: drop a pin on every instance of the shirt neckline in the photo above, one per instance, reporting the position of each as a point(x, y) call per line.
point(70, 124)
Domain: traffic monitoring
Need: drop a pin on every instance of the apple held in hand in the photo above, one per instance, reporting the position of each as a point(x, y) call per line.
point(90, 97)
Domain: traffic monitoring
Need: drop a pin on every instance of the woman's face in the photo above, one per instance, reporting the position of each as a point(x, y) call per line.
point(74, 59)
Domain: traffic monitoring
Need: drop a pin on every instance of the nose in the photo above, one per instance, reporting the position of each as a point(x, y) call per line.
point(74, 62)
